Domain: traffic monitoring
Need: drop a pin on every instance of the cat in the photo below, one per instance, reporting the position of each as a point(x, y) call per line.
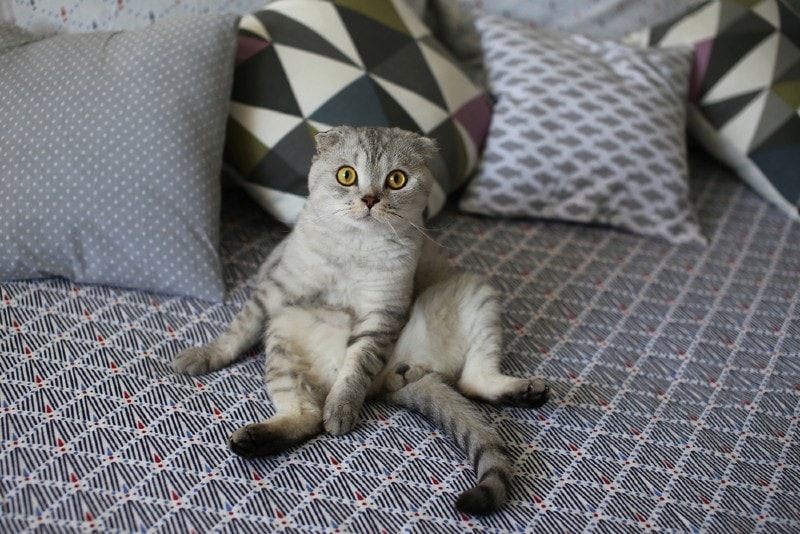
point(356, 303)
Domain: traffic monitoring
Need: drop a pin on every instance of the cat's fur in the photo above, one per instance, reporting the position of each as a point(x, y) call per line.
point(333, 303)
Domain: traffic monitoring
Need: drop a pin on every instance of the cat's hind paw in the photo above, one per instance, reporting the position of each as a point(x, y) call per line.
point(531, 393)
point(402, 375)
point(259, 439)
point(196, 361)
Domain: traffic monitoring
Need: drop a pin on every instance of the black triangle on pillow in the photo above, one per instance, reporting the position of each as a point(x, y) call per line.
point(658, 32)
point(452, 151)
point(790, 22)
point(288, 31)
point(359, 95)
point(285, 166)
point(719, 113)
point(396, 113)
point(261, 82)
point(375, 42)
point(408, 68)
point(732, 45)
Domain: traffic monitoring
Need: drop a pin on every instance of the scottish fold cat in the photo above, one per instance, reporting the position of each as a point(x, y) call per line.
point(356, 303)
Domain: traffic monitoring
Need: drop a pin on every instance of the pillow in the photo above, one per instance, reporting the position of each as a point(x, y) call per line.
point(607, 19)
point(585, 131)
point(745, 89)
point(305, 66)
point(453, 23)
point(110, 155)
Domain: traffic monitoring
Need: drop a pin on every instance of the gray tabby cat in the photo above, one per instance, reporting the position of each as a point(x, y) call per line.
point(333, 304)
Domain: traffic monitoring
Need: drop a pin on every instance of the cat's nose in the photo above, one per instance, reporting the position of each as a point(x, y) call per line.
point(370, 200)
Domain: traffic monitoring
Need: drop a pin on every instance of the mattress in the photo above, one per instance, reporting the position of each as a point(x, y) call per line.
point(675, 374)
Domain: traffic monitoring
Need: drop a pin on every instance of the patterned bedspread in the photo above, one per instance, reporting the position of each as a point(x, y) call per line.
point(676, 373)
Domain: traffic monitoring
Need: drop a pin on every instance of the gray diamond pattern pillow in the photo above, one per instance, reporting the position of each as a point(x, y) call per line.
point(584, 131)
point(110, 154)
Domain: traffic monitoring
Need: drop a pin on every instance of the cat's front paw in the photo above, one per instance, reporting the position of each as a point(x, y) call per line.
point(339, 417)
point(531, 393)
point(195, 361)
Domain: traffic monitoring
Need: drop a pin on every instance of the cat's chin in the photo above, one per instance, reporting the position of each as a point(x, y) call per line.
point(372, 222)
point(368, 220)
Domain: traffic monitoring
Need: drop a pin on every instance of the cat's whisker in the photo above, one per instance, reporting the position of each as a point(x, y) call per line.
point(439, 228)
point(327, 215)
point(421, 230)
point(393, 213)
point(399, 240)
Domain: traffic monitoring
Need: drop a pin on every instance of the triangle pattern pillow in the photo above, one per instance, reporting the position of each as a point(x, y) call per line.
point(745, 89)
point(304, 66)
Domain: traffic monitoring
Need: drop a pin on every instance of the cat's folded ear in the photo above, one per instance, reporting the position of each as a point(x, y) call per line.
point(327, 140)
point(426, 146)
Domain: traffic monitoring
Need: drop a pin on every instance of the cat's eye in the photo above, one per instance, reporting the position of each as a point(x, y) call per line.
point(396, 180)
point(346, 176)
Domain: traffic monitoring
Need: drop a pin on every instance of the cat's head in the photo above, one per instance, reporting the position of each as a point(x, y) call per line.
point(364, 177)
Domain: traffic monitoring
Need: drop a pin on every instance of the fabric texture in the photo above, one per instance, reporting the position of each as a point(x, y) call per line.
point(47, 17)
point(746, 89)
point(674, 373)
point(584, 131)
point(6, 13)
point(305, 66)
point(110, 154)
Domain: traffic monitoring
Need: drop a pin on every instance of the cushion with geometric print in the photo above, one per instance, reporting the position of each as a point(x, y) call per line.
point(585, 131)
point(305, 66)
point(745, 89)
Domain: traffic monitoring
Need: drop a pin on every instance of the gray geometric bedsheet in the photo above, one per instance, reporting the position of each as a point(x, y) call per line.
point(675, 372)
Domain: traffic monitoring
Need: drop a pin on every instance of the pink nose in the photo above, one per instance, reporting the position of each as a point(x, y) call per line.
point(370, 200)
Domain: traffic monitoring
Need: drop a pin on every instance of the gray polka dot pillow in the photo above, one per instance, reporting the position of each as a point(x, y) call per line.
point(110, 155)
point(584, 131)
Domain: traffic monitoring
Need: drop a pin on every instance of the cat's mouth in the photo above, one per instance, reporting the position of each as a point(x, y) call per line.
point(369, 215)
point(365, 213)
point(372, 219)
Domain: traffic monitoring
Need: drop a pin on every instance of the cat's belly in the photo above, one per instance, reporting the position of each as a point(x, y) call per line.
point(319, 337)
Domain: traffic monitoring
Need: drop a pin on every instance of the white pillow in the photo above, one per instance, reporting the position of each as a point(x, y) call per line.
point(608, 19)
point(585, 131)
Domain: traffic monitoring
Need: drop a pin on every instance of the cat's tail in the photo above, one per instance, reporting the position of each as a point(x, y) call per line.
point(448, 409)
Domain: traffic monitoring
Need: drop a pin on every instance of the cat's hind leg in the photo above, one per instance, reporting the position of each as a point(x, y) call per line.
point(276, 434)
point(481, 377)
point(298, 417)
point(490, 385)
point(244, 331)
point(433, 397)
point(298, 347)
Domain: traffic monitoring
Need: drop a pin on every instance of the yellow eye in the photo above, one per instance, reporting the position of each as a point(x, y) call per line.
point(396, 180)
point(346, 176)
